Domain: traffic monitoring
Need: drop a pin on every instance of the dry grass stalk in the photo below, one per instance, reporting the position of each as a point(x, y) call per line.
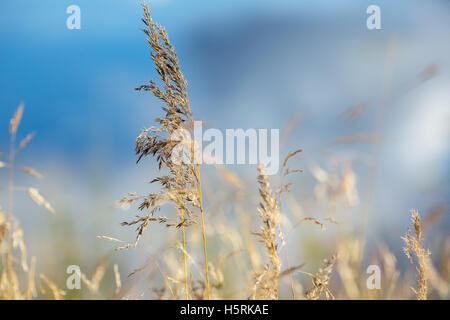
point(320, 281)
point(414, 247)
point(11, 240)
point(350, 252)
point(30, 290)
point(15, 121)
point(11, 235)
point(58, 294)
point(125, 202)
point(32, 192)
point(266, 281)
point(182, 185)
point(124, 247)
point(13, 126)
point(25, 141)
point(117, 279)
point(39, 199)
point(32, 172)
point(93, 283)
point(18, 242)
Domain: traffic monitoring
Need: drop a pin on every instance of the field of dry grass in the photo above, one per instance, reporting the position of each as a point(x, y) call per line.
point(236, 247)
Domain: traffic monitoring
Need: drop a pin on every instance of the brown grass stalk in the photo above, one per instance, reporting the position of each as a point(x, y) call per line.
point(414, 247)
point(320, 281)
point(182, 185)
point(270, 234)
point(11, 234)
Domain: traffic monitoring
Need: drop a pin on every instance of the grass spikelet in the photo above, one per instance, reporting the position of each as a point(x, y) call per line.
point(32, 172)
point(15, 121)
point(125, 246)
point(25, 141)
point(39, 199)
point(414, 247)
point(125, 202)
point(266, 282)
point(11, 234)
point(320, 281)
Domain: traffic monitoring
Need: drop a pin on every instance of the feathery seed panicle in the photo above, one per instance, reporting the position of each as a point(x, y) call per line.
point(414, 247)
point(266, 281)
point(15, 121)
point(181, 186)
point(32, 172)
point(25, 141)
point(320, 281)
point(11, 234)
point(39, 199)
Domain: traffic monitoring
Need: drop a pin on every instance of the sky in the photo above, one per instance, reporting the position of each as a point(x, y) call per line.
point(250, 64)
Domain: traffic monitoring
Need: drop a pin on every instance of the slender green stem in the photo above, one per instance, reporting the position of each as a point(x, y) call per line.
point(196, 171)
point(204, 236)
point(186, 287)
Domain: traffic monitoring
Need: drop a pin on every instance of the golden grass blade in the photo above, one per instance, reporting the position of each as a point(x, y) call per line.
point(25, 141)
point(320, 281)
point(58, 294)
point(17, 238)
point(126, 246)
point(117, 279)
point(289, 156)
point(32, 172)
point(39, 200)
point(266, 282)
point(15, 121)
point(414, 247)
point(30, 291)
point(93, 284)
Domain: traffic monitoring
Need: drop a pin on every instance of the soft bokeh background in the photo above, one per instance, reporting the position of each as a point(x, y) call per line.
point(250, 64)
